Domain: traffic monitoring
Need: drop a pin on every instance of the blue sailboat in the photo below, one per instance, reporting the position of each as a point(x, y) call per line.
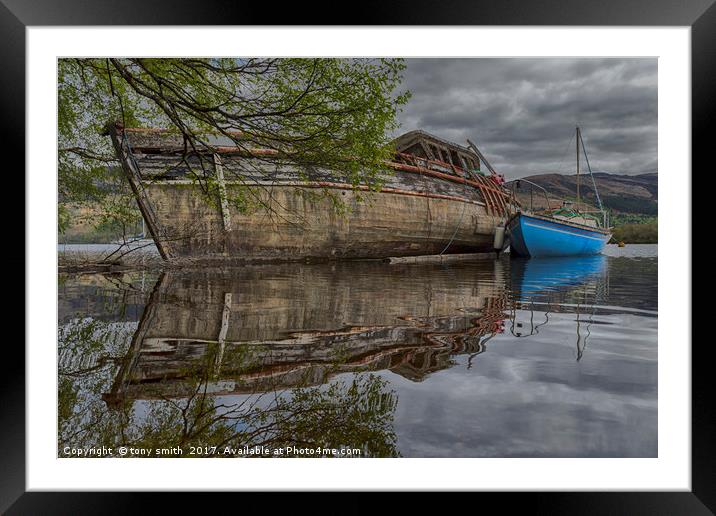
point(563, 232)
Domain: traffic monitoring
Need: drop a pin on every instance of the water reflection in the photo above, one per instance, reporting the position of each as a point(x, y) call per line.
point(297, 356)
point(310, 327)
point(543, 285)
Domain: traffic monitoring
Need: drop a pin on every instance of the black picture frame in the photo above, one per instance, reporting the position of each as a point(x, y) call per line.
point(700, 15)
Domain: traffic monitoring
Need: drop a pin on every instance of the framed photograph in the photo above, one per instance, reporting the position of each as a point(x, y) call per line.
point(382, 257)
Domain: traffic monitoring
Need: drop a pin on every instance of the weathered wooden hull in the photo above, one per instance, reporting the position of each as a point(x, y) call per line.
point(306, 225)
point(416, 212)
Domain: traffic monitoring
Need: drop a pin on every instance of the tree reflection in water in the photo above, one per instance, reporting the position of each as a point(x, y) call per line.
point(355, 413)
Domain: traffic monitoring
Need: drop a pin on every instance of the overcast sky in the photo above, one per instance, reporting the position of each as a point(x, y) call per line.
point(521, 113)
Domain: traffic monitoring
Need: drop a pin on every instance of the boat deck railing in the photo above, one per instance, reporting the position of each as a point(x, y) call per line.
point(579, 208)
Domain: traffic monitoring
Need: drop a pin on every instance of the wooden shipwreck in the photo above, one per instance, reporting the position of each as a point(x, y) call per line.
point(435, 199)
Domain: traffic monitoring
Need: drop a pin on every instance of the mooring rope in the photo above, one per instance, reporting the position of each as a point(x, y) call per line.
point(459, 222)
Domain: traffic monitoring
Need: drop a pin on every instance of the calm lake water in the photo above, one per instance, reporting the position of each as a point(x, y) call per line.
point(504, 358)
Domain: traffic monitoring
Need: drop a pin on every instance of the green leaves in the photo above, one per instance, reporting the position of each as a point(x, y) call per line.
point(326, 113)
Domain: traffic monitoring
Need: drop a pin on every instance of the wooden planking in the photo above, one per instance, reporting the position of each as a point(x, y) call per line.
point(155, 141)
point(388, 224)
point(411, 175)
point(265, 173)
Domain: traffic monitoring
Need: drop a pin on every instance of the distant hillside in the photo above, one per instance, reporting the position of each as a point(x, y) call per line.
point(623, 194)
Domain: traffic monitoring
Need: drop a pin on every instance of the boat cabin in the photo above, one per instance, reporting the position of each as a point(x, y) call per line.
point(435, 152)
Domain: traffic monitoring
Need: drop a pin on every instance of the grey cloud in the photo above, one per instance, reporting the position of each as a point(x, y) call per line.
point(522, 112)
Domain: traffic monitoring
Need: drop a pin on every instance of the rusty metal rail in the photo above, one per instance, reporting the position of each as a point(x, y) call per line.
point(497, 200)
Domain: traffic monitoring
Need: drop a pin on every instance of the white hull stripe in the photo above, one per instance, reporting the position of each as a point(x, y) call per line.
point(566, 232)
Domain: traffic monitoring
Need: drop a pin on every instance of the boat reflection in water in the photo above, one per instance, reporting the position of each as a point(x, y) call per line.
point(560, 284)
point(536, 276)
point(249, 331)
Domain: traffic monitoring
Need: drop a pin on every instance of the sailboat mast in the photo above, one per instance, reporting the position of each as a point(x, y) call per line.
point(578, 136)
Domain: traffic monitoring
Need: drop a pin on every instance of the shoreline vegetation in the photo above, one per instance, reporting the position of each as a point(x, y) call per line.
point(636, 234)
